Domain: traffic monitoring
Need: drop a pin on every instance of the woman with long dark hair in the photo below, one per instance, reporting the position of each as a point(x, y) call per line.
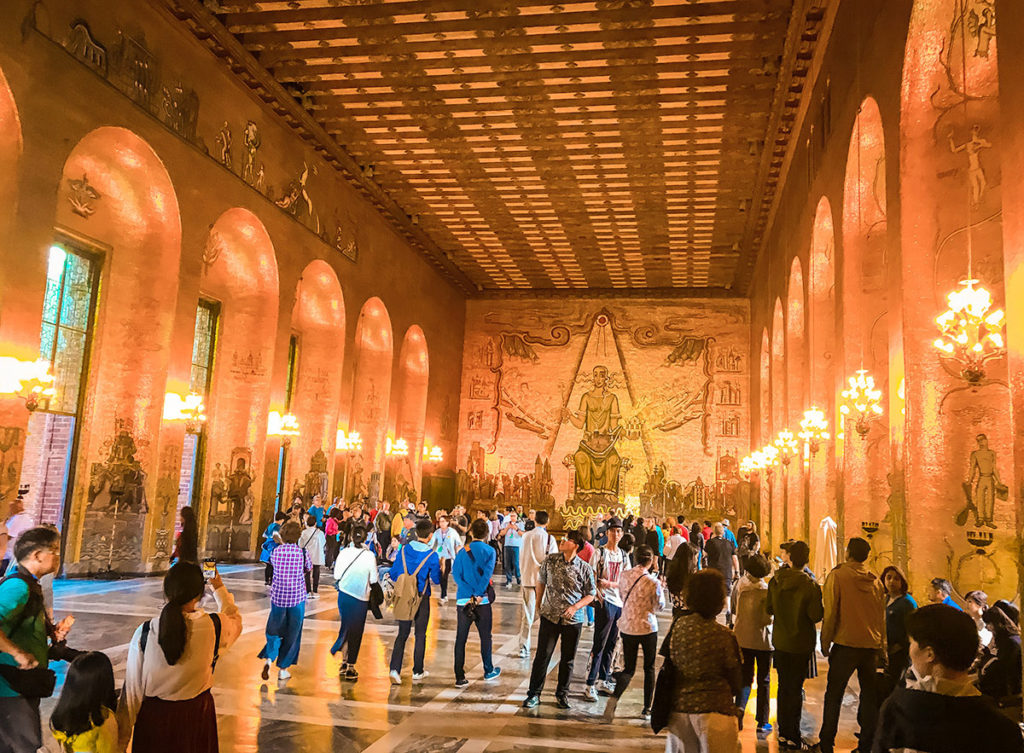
point(697, 542)
point(1000, 675)
point(166, 702)
point(682, 565)
point(899, 603)
point(186, 546)
point(84, 720)
point(287, 603)
point(355, 571)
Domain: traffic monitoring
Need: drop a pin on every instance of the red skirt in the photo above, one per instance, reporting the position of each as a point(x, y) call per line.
point(176, 726)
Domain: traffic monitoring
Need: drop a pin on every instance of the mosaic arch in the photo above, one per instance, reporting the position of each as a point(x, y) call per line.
point(240, 273)
point(778, 388)
point(822, 344)
point(116, 197)
point(318, 318)
point(794, 515)
point(371, 393)
point(410, 408)
point(871, 464)
point(961, 515)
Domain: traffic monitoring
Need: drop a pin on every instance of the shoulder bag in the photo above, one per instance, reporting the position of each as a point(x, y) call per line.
point(665, 686)
point(40, 681)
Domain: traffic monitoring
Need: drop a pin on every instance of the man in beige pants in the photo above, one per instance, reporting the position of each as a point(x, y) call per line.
point(537, 544)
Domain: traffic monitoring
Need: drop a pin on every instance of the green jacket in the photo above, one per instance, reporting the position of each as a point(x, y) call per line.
point(794, 600)
point(30, 635)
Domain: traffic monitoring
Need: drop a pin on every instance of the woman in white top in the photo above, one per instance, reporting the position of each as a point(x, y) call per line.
point(355, 571)
point(166, 699)
point(447, 543)
point(314, 541)
point(642, 599)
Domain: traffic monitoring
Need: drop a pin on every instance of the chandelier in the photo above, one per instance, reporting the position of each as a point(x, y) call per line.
point(814, 429)
point(785, 446)
point(189, 409)
point(32, 381)
point(861, 401)
point(286, 426)
point(971, 332)
point(348, 442)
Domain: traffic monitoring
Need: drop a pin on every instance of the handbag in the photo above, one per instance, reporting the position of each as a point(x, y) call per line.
point(665, 685)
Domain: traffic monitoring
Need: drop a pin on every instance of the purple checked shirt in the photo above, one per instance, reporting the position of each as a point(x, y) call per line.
point(290, 565)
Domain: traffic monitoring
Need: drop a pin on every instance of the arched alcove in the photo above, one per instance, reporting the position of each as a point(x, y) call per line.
point(778, 399)
point(869, 327)
point(822, 348)
point(951, 207)
point(18, 336)
point(371, 392)
point(118, 229)
point(411, 408)
point(240, 275)
point(318, 319)
point(796, 397)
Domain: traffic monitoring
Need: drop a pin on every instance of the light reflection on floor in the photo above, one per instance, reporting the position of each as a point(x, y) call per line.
point(315, 712)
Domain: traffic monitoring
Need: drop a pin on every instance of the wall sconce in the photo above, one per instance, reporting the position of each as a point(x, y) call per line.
point(399, 448)
point(432, 454)
point(814, 429)
point(861, 401)
point(350, 443)
point(286, 427)
point(786, 445)
point(32, 381)
point(189, 409)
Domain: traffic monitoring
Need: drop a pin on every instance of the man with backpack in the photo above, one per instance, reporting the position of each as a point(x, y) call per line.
point(608, 563)
point(536, 545)
point(24, 633)
point(416, 567)
point(473, 568)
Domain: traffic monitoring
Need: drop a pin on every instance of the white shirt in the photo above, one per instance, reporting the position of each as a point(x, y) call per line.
point(17, 525)
point(354, 571)
point(149, 674)
point(644, 599)
point(537, 544)
point(609, 565)
point(672, 544)
point(313, 541)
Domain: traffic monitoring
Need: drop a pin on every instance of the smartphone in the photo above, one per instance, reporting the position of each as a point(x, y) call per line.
point(209, 568)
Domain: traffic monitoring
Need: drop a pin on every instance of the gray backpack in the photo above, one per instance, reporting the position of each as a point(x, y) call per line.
point(407, 595)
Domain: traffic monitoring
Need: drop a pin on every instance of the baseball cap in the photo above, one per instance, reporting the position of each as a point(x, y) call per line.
point(613, 522)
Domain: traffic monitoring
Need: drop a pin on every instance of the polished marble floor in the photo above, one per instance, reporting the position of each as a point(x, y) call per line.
point(314, 712)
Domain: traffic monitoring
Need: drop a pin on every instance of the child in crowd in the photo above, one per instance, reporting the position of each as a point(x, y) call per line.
point(83, 720)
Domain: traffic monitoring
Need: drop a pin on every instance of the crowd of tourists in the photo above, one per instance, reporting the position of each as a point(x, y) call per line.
point(941, 677)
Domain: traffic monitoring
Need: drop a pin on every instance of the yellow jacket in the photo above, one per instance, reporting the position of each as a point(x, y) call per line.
point(101, 739)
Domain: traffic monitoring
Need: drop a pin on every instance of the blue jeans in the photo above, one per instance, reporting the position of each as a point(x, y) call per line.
point(511, 564)
point(483, 627)
point(284, 635)
point(419, 650)
point(353, 619)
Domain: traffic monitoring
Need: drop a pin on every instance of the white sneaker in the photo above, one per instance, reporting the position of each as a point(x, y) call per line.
point(590, 693)
point(607, 687)
point(524, 652)
point(396, 679)
point(444, 602)
point(417, 676)
point(284, 674)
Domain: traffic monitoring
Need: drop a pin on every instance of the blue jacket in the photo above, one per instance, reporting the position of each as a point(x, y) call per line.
point(473, 575)
point(415, 553)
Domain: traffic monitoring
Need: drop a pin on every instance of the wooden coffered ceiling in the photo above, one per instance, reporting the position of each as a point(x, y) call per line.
point(577, 145)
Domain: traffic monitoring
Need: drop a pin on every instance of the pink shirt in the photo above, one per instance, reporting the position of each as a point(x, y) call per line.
point(587, 551)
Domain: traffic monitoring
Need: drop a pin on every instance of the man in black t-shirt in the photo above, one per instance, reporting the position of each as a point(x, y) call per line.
point(720, 554)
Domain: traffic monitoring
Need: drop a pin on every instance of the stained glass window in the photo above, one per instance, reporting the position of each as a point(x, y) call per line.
point(203, 347)
point(293, 364)
point(67, 312)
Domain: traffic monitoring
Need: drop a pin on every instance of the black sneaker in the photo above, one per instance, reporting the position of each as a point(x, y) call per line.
point(350, 674)
point(562, 702)
point(531, 702)
point(461, 682)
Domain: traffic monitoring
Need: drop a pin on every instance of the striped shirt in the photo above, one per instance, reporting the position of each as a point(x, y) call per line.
point(290, 563)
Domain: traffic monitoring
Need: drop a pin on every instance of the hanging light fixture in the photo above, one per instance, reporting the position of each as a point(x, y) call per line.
point(398, 448)
point(189, 409)
point(814, 429)
point(348, 442)
point(861, 401)
point(971, 331)
point(32, 381)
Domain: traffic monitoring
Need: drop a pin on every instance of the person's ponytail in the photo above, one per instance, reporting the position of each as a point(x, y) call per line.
point(183, 583)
